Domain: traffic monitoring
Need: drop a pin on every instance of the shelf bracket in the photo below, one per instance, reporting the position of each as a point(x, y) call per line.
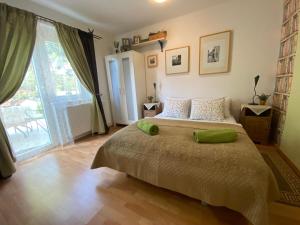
point(161, 44)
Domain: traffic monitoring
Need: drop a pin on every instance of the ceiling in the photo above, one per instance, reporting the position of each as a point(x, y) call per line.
point(119, 16)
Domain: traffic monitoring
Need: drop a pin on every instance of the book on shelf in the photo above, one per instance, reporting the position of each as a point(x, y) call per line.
point(295, 23)
point(284, 103)
point(286, 30)
point(281, 85)
point(285, 66)
point(290, 7)
point(281, 67)
point(290, 27)
point(290, 66)
point(288, 47)
point(277, 100)
point(289, 84)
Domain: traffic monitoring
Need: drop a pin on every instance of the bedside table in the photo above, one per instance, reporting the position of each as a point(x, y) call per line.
point(256, 120)
point(152, 109)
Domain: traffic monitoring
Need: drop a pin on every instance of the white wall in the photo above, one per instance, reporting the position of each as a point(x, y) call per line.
point(102, 47)
point(256, 28)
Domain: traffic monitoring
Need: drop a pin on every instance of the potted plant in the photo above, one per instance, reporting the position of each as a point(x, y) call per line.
point(150, 99)
point(263, 98)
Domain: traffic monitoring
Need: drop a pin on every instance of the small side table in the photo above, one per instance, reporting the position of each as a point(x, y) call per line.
point(256, 120)
point(152, 109)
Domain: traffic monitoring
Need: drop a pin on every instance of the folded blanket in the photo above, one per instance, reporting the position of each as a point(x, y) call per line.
point(148, 128)
point(215, 136)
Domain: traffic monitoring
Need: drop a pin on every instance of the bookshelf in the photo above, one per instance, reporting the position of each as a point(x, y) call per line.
point(285, 66)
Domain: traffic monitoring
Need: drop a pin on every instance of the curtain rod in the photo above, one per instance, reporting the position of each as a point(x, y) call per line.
point(53, 21)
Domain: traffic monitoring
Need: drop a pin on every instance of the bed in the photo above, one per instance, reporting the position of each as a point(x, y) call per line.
point(233, 175)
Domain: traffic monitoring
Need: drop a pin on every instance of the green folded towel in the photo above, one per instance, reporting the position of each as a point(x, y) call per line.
point(148, 127)
point(215, 136)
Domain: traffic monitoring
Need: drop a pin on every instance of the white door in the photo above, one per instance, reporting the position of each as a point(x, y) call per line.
point(129, 88)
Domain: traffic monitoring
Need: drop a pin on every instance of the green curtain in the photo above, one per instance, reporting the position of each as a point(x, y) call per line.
point(17, 38)
point(71, 43)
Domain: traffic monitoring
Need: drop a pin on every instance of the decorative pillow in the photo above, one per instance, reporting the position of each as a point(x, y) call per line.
point(227, 105)
point(177, 108)
point(208, 109)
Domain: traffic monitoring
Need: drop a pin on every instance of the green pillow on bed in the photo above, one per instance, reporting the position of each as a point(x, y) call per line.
point(148, 128)
point(215, 136)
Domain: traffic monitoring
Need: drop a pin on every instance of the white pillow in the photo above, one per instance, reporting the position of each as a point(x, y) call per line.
point(227, 105)
point(208, 109)
point(177, 108)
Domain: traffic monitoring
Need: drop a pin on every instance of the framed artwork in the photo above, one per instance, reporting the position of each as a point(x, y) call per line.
point(177, 60)
point(215, 53)
point(152, 61)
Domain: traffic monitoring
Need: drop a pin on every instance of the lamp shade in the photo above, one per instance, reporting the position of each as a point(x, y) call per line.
point(256, 79)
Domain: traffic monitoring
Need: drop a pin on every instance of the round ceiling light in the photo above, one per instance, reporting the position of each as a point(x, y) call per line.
point(160, 1)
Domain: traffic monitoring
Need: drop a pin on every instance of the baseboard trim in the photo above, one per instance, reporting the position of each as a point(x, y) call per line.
point(82, 136)
point(289, 162)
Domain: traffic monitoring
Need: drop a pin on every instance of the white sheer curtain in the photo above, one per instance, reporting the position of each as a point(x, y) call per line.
point(58, 83)
point(36, 117)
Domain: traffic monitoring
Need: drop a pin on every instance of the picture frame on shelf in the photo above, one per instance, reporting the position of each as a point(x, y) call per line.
point(136, 40)
point(152, 61)
point(177, 60)
point(125, 44)
point(215, 53)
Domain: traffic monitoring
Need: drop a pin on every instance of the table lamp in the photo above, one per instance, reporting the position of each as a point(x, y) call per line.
point(256, 79)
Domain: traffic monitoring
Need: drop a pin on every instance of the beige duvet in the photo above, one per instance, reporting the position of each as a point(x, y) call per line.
point(233, 175)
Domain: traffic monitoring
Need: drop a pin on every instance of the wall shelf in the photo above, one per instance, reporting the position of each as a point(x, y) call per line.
point(281, 93)
point(284, 75)
point(287, 56)
point(289, 36)
point(142, 44)
point(291, 16)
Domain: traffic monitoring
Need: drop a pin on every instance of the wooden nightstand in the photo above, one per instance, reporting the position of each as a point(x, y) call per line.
point(256, 120)
point(152, 109)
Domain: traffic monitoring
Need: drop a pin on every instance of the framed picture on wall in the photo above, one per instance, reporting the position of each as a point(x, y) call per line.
point(215, 53)
point(177, 60)
point(152, 61)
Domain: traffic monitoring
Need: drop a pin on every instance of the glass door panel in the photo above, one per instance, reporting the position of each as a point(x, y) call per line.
point(116, 88)
point(129, 90)
point(24, 118)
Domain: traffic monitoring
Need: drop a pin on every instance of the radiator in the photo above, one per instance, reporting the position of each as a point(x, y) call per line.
point(80, 120)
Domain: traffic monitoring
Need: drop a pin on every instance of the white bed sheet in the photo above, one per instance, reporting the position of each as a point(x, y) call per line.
point(228, 120)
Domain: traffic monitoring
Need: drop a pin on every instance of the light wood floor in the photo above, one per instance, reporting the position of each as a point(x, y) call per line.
point(58, 188)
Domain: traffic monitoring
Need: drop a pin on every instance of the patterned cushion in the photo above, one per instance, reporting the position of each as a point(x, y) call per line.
point(208, 109)
point(227, 106)
point(177, 108)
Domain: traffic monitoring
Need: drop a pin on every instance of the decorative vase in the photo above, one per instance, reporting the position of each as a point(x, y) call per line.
point(262, 102)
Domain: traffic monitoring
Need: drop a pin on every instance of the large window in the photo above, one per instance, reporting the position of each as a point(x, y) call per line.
point(65, 81)
point(36, 118)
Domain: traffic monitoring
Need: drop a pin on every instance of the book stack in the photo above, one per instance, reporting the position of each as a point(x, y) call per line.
point(288, 47)
point(290, 9)
point(277, 99)
point(290, 65)
point(281, 85)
